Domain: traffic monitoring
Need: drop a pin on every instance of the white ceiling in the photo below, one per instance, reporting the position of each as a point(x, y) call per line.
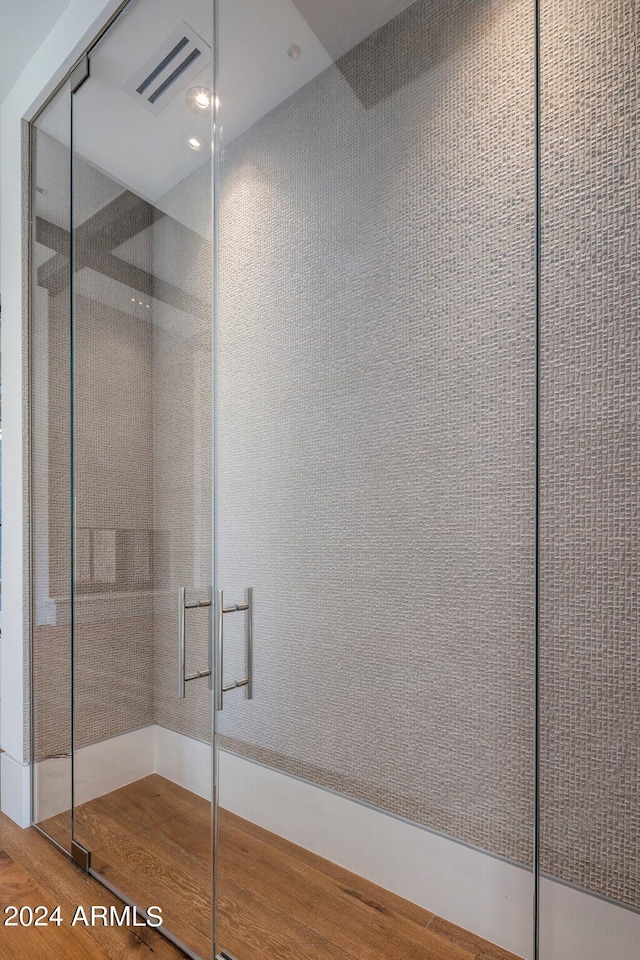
point(23, 26)
point(147, 152)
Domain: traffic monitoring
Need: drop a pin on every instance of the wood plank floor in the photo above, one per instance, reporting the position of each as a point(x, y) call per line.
point(33, 872)
point(276, 901)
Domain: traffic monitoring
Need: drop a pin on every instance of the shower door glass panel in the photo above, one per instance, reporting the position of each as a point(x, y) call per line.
point(374, 478)
point(49, 352)
point(142, 370)
point(589, 690)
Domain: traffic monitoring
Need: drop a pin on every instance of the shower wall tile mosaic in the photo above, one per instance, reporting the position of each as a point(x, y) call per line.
point(375, 448)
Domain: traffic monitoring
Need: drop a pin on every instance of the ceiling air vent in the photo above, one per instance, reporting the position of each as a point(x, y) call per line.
point(169, 70)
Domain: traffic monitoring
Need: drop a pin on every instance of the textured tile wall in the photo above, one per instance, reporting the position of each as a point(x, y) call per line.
point(375, 423)
point(590, 365)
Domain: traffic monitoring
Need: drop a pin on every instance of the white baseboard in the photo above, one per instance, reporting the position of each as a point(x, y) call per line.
point(576, 926)
point(99, 769)
point(15, 790)
point(51, 788)
point(185, 761)
point(486, 895)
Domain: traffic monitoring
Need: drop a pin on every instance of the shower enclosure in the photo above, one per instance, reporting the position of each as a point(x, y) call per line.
point(333, 475)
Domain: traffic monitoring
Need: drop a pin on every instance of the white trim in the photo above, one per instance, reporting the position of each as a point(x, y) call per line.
point(51, 788)
point(16, 790)
point(184, 761)
point(576, 926)
point(111, 764)
point(115, 762)
point(99, 769)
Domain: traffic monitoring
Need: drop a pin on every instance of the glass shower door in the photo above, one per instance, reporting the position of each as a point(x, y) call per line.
point(589, 646)
point(367, 647)
point(374, 479)
point(142, 374)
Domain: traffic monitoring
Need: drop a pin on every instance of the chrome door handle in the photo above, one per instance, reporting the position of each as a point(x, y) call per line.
point(183, 606)
point(246, 681)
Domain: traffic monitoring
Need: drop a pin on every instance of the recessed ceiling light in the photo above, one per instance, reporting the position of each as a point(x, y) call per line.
point(199, 99)
point(294, 51)
point(195, 143)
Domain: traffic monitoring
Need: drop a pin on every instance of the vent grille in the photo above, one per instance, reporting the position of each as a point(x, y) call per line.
point(169, 69)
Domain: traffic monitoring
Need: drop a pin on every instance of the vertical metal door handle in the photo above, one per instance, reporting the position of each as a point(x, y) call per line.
point(183, 606)
point(219, 638)
point(246, 681)
point(248, 644)
point(182, 642)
